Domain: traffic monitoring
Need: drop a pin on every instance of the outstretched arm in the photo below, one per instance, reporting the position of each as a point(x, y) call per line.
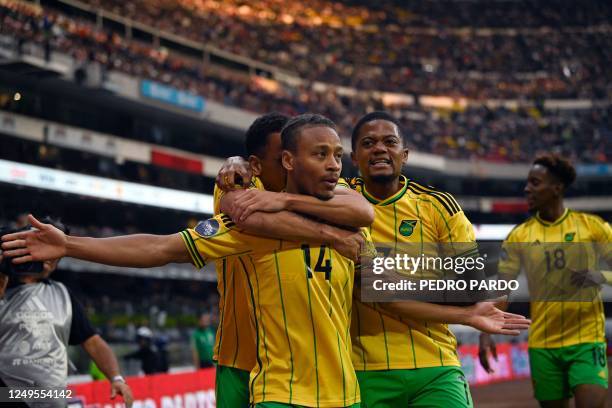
point(484, 316)
point(140, 250)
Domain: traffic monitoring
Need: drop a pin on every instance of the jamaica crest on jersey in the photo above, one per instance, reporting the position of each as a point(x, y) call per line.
point(406, 227)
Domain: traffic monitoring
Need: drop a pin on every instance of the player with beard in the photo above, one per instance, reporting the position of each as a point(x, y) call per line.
point(405, 358)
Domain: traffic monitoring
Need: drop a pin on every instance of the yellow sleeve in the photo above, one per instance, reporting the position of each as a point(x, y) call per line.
point(510, 258)
point(461, 229)
point(216, 238)
point(368, 250)
point(602, 235)
point(456, 232)
point(342, 182)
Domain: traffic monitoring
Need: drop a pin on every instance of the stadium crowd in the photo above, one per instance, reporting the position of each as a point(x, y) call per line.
point(478, 132)
point(333, 42)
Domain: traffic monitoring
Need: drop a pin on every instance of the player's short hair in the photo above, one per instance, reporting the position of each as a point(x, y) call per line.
point(558, 166)
point(293, 128)
point(370, 117)
point(256, 137)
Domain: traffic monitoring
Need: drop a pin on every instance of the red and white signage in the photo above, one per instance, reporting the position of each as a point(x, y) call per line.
point(185, 390)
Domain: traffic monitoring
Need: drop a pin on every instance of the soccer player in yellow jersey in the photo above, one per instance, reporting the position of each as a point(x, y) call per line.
point(300, 294)
point(483, 316)
point(567, 346)
point(235, 349)
point(405, 362)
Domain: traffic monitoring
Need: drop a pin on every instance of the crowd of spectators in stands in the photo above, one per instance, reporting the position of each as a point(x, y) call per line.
point(382, 48)
point(506, 135)
point(499, 134)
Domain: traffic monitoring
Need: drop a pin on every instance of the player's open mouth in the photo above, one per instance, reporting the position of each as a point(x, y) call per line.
point(380, 163)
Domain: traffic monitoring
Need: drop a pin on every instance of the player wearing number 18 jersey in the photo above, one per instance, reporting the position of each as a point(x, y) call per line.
point(567, 348)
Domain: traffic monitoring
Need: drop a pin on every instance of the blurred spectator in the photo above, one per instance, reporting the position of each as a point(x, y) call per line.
point(203, 342)
point(147, 352)
point(161, 343)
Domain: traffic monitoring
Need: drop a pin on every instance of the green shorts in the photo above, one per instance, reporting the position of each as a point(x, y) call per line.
point(281, 405)
point(232, 387)
point(556, 372)
point(419, 387)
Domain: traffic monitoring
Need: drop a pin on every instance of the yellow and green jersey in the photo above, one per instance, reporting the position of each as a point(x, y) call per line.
point(300, 300)
point(235, 340)
point(415, 214)
point(548, 252)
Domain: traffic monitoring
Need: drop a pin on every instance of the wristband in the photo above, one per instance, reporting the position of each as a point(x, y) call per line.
point(118, 378)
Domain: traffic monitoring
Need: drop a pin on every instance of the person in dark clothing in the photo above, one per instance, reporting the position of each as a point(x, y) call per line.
point(147, 352)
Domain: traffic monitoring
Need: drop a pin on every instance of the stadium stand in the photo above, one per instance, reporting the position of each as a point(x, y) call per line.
point(478, 131)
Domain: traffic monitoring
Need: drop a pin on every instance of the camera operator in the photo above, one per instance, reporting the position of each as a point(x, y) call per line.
point(39, 319)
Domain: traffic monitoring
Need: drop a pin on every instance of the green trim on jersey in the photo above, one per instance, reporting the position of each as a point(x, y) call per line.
point(389, 200)
point(252, 295)
point(280, 290)
point(192, 249)
point(553, 223)
point(224, 309)
point(235, 320)
point(314, 333)
point(262, 322)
